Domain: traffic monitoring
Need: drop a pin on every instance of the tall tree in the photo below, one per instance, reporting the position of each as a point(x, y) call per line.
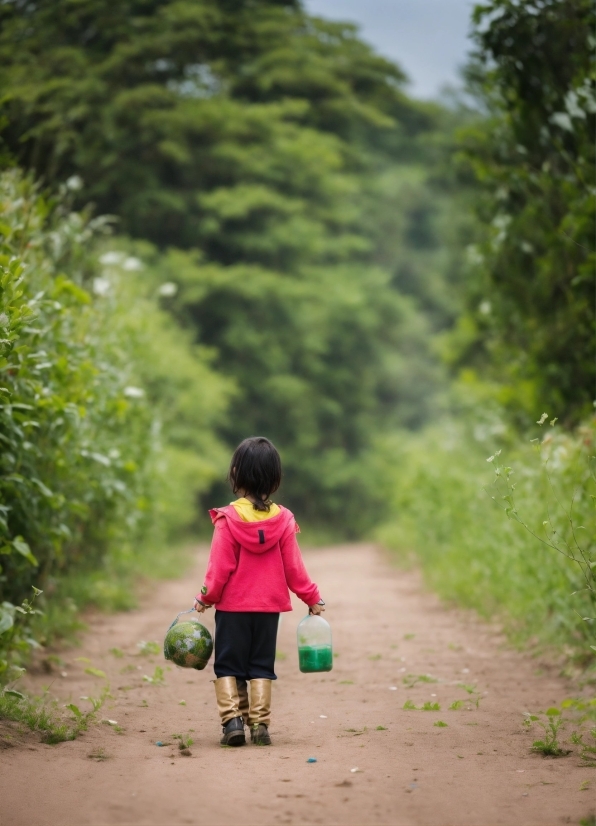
point(247, 141)
point(533, 304)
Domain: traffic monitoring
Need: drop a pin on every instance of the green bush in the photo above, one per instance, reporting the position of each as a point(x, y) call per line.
point(75, 431)
point(452, 515)
point(100, 397)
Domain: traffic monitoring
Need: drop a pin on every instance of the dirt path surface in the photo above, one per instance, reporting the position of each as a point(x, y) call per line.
point(375, 762)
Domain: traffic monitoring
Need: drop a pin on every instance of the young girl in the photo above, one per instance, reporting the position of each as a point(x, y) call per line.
point(254, 559)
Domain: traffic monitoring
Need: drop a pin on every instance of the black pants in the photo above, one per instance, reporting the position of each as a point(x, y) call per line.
point(245, 644)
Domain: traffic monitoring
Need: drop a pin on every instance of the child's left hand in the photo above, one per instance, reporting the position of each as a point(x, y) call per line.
point(199, 607)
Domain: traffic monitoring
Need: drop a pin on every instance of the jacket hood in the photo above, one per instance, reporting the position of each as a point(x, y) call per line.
point(256, 537)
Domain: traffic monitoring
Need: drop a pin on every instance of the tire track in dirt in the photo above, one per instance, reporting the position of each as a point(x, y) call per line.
point(477, 771)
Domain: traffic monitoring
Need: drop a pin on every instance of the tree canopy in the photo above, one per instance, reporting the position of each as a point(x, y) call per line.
point(307, 215)
point(534, 163)
point(250, 144)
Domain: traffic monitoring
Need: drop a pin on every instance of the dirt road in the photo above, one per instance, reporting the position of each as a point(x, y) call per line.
point(375, 762)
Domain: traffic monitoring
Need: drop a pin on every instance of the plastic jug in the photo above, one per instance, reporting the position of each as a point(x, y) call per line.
point(314, 644)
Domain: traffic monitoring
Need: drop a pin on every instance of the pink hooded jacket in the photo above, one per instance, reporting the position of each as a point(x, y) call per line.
point(253, 564)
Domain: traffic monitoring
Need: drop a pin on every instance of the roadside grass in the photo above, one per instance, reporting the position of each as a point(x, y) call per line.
point(185, 741)
point(587, 750)
point(554, 721)
point(158, 677)
point(116, 587)
point(549, 745)
point(472, 548)
point(427, 706)
point(99, 755)
point(46, 717)
point(410, 680)
point(150, 648)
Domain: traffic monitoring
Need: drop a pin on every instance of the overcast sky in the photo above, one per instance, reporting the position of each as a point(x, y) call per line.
point(428, 38)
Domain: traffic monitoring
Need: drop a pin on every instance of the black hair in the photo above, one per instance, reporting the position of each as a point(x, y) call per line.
point(256, 469)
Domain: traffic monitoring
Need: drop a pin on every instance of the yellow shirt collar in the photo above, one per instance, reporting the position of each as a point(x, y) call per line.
point(247, 513)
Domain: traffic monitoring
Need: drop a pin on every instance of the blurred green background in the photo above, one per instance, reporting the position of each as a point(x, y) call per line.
point(228, 218)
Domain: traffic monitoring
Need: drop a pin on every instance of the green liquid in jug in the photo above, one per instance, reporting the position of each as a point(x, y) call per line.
point(313, 658)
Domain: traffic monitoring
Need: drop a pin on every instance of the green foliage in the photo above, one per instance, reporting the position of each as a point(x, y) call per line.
point(572, 711)
point(99, 755)
point(149, 649)
point(178, 103)
point(410, 680)
point(409, 705)
point(88, 365)
point(16, 641)
point(185, 741)
point(44, 716)
point(278, 161)
point(583, 709)
point(561, 531)
point(188, 397)
point(441, 493)
point(587, 750)
point(157, 678)
point(76, 436)
point(551, 722)
point(525, 166)
point(531, 296)
point(95, 672)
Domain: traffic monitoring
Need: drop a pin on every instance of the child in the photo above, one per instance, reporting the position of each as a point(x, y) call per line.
point(254, 559)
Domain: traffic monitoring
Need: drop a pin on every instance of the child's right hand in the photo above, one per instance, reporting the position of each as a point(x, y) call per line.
point(199, 607)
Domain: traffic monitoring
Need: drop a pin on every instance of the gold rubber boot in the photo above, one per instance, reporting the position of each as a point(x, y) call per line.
point(243, 703)
point(260, 712)
point(228, 705)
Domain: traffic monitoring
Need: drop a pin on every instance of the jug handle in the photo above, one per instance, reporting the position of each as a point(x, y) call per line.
point(190, 610)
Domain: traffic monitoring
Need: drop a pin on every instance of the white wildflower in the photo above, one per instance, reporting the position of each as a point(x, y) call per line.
point(132, 263)
point(168, 289)
point(101, 286)
point(134, 392)
point(112, 258)
point(74, 183)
